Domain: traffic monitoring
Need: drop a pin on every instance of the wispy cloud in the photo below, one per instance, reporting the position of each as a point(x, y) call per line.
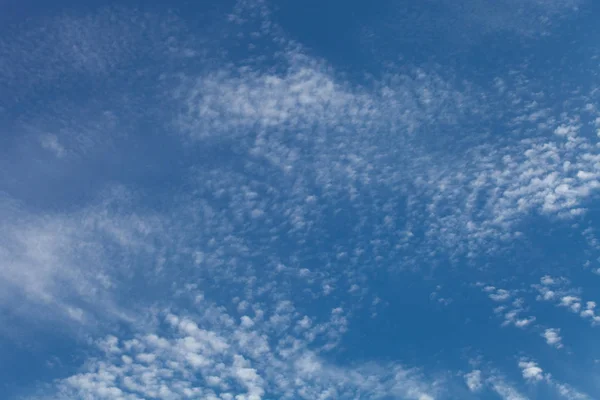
point(50, 142)
point(60, 266)
point(505, 391)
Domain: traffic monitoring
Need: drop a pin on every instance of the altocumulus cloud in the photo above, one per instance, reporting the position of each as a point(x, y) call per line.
point(257, 197)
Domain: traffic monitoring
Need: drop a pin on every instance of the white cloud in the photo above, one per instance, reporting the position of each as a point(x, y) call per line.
point(78, 47)
point(567, 130)
point(572, 302)
point(553, 337)
point(534, 374)
point(505, 391)
point(547, 280)
point(531, 371)
point(566, 297)
point(463, 23)
point(512, 316)
point(54, 265)
point(271, 113)
point(473, 380)
point(50, 142)
point(523, 322)
point(500, 295)
point(211, 356)
point(590, 312)
point(570, 393)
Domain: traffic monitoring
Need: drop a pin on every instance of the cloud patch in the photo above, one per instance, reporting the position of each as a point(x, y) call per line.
point(215, 355)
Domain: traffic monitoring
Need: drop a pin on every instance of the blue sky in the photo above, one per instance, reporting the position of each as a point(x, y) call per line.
point(293, 200)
